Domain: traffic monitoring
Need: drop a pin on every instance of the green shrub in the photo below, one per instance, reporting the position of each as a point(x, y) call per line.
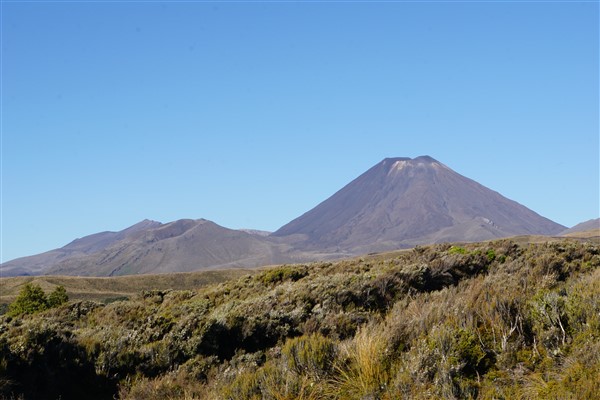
point(245, 386)
point(30, 300)
point(310, 355)
point(282, 274)
point(470, 353)
point(457, 250)
point(549, 318)
point(58, 297)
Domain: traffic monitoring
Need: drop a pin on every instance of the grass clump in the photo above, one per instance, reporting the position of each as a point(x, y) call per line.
point(311, 355)
point(364, 368)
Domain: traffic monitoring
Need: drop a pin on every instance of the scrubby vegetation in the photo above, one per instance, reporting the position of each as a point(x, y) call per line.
point(495, 320)
point(32, 299)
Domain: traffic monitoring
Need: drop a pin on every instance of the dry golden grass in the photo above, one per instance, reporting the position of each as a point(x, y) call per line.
point(592, 234)
point(365, 372)
point(105, 289)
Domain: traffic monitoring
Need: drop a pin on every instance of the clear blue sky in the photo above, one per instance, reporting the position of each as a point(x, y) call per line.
point(249, 114)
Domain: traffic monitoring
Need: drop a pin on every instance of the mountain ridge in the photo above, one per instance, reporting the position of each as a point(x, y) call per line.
point(398, 203)
point(589, 225)
point(183, 245)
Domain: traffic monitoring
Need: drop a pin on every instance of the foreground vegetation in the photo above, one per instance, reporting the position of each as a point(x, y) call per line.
point(497, 320)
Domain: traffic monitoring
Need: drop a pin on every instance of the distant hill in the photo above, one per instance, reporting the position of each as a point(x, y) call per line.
point(152, 247)
point(590, 225)
point(403, 202)
point(38, 264)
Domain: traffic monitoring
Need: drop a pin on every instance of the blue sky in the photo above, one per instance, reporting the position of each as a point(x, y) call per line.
point(251, 113)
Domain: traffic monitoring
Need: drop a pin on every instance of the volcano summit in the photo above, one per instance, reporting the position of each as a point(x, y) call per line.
point(403, 202)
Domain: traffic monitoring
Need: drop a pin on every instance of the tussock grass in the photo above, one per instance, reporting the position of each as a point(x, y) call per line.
point(364, 367)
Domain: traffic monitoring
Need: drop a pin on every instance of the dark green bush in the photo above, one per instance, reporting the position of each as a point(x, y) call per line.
point(57, 297)
point(31, 299)
point(46, 362)
point(475, 360)
point(282, 274)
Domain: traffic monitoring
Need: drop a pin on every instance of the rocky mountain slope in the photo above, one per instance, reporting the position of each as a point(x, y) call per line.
point(152, 247)
point(402, 202)
point(38, 264)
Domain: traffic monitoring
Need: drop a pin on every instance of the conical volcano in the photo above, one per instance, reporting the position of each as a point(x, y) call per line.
point(402, 202)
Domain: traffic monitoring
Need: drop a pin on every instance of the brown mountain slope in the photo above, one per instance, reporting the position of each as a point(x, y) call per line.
point(179, 246)
point(39, 263)
point(402, 202)
point(152, 247)
point(587, 226)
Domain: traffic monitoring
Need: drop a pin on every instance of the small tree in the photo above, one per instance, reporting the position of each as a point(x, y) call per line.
point(57, 297)
point(30, 300)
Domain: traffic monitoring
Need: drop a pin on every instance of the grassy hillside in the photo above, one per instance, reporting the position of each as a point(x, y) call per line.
point(590, 235)
point(105, 290)
point(483, 321)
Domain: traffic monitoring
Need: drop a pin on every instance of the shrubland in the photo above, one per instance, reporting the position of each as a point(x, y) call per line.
point(494, 320)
